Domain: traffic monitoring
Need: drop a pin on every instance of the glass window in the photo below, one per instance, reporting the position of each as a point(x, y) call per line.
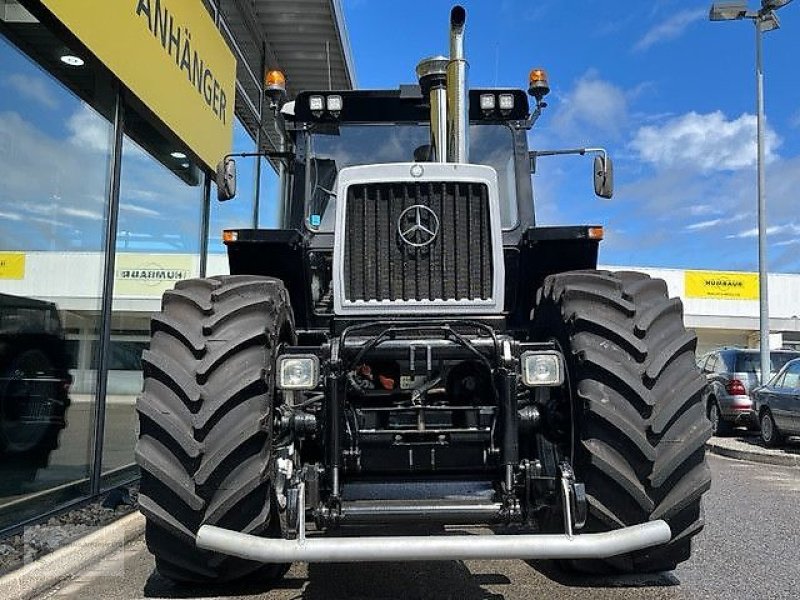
point(791, 378)
point(55, 142)
point(158, 243)
point(778, 382)
point(750, 362)
point(333, 149)
point(269, 201)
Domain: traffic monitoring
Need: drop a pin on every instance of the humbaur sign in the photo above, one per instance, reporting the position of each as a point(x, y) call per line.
point(171, 56)
point(150, 274)
point(12, 265)
point(722, 285)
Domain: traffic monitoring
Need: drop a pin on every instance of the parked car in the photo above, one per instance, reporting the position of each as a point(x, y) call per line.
point(777, 405)
point(732, 373)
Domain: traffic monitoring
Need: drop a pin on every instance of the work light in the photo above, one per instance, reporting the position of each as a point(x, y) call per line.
point(542, 368)
point(298, 372)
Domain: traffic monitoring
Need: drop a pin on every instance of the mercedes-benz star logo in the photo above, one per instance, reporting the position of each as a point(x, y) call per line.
point(418, 226)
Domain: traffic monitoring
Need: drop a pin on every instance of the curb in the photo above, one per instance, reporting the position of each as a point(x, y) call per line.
point(40, 575)
point(785, 460)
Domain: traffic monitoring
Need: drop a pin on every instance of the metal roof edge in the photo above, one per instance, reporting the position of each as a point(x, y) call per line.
point(338, 15)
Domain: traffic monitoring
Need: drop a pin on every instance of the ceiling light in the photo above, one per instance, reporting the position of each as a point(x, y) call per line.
point(72, 60)
point(178, 155)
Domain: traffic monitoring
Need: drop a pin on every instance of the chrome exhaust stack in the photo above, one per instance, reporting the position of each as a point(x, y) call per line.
point(432, 75)
point(457, 110)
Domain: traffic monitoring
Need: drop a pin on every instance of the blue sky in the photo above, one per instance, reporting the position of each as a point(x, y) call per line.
point(670, 94)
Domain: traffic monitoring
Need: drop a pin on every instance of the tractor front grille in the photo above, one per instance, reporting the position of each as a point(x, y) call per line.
point(379, 265)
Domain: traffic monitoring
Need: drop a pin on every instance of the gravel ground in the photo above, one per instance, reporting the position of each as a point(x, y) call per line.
point(42, 538)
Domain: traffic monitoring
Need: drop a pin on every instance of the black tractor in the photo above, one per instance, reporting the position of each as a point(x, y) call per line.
point(409, 349)
point(34, 388)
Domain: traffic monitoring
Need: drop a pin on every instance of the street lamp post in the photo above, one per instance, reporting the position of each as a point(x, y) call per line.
point(765, 20)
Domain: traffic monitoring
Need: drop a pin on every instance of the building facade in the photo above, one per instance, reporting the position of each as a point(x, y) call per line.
point(112, 117)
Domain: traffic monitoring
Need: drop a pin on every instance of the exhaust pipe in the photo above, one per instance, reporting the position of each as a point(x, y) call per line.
point(432, 75)
point(457, 116)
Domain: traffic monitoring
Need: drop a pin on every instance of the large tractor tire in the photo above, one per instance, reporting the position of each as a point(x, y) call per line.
point(205, 417)
point(639, 426)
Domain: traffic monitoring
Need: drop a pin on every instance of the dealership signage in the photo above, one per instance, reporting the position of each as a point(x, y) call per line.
point(171, 55)
point(723, 285)
point(150, 274)
point(12, 265)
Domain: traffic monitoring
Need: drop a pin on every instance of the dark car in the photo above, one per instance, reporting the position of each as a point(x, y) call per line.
point(732, 374)
point(777, 404)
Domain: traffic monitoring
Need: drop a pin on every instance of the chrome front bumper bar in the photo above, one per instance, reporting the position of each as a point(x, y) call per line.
point(437, 547)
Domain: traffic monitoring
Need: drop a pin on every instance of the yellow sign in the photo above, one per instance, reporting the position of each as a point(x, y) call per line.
point(171, 55)
point(12, 265)
point(724, 285)
point(150, 274)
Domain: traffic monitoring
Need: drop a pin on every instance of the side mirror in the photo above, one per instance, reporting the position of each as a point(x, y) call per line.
point(226, 179)
point(603, 176)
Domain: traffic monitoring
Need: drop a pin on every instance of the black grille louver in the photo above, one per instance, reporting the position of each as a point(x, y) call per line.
point(457, 265)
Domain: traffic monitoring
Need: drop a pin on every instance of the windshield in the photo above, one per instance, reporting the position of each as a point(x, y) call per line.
point(750, 362)
point(351, 145)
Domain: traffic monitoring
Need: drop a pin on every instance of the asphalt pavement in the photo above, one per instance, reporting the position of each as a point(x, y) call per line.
point(750, 548)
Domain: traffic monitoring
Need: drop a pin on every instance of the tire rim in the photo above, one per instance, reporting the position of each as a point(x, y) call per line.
point(713, 416)
point(766, 427)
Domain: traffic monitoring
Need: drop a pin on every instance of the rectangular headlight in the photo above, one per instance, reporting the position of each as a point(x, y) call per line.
point(316, 104)
point(298, 372)
point(506, 101)
point(334, 104)
point(487, 102)
point(544, 368)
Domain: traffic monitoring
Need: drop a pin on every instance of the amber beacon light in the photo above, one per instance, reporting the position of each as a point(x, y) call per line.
point(538, 86)
point(275, 80)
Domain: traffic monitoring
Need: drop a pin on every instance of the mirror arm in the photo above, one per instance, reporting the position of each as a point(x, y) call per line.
point(271, 154)
point(534, 154)
point(580, 151)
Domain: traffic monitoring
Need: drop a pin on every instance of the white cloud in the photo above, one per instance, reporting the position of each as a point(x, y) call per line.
point(593, 105)
point(726, 220)
point(772, 230)
point(33, 88)
point(671, 28)
point(703, 224)
point(89, 131)
point(705, 142)
point(81, 213)
point(700, 210)
point(10, 216)
point(139, 210)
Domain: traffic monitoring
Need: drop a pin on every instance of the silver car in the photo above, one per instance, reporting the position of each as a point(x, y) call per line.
point(732, 374)
point(777, 405)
